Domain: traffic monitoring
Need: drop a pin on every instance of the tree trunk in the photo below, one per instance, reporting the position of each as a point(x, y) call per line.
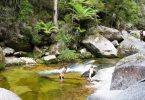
point(55, 13)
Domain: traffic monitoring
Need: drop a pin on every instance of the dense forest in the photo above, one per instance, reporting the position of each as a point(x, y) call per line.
point(29, 23)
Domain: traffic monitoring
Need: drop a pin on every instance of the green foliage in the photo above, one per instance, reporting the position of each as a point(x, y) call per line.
point(81, 12)
point(30, 35)
point(2, 66)
point(64, 37)
point(120, 12)
point(136, 35)
point(25, 10)
point(68, 55)
point(35, 39)
point(47, 28)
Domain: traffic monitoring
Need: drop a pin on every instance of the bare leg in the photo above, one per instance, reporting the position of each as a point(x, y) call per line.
point(61, 78)
point(90, 78)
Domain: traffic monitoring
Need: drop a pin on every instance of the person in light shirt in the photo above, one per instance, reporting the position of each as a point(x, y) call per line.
point(91, 70)
point(62, 72)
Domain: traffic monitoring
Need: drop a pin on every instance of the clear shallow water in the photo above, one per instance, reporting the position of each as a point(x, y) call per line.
point(32, 86)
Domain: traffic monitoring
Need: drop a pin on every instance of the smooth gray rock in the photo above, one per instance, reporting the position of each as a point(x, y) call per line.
point(8, 51)
point(134, 92)
point(8, 95)
point(100, 46)
point(115, 43)
point(10, 61)
point(20, 54)
point(131, 45)
point(50, 59)
point(110, 33)
point(128, 71)
point(85, 53)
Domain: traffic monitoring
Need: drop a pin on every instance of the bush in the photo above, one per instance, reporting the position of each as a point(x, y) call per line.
point(68, 55)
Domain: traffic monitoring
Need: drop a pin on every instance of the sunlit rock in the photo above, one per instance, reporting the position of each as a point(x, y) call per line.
point(128, 71)
point(8, 51)
point(20, 54)
point(110, 33)
point(19, 61)
point(50, 59)
point(85, 53)
point(100, 46)
point(8, 95)
point(115, 43)
point(134, 92)
point(131, 45)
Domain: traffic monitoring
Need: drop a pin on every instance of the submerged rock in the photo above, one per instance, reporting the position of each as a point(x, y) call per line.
point(100, 46)
point(8, 95)
point(128, 71)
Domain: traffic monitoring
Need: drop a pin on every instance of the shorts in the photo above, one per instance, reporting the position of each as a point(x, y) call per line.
point(60, 77)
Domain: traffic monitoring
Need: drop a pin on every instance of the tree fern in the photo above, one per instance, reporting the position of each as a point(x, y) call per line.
point(45, 27)
point(82, 12)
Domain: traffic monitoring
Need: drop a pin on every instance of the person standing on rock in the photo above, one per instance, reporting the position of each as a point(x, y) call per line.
point(142, 35)
point(62, 72)
point(91, 71)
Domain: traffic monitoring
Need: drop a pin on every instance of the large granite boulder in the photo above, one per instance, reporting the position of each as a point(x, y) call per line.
point(100, 46)
point(128, 71)
point(8, 95)
point(131, 45)
point(134, 92)
point(110, 33)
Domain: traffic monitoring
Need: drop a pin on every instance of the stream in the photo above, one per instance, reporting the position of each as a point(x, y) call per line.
point(42, 82)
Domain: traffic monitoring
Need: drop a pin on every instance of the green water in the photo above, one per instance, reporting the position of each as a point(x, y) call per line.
point(31, 86)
